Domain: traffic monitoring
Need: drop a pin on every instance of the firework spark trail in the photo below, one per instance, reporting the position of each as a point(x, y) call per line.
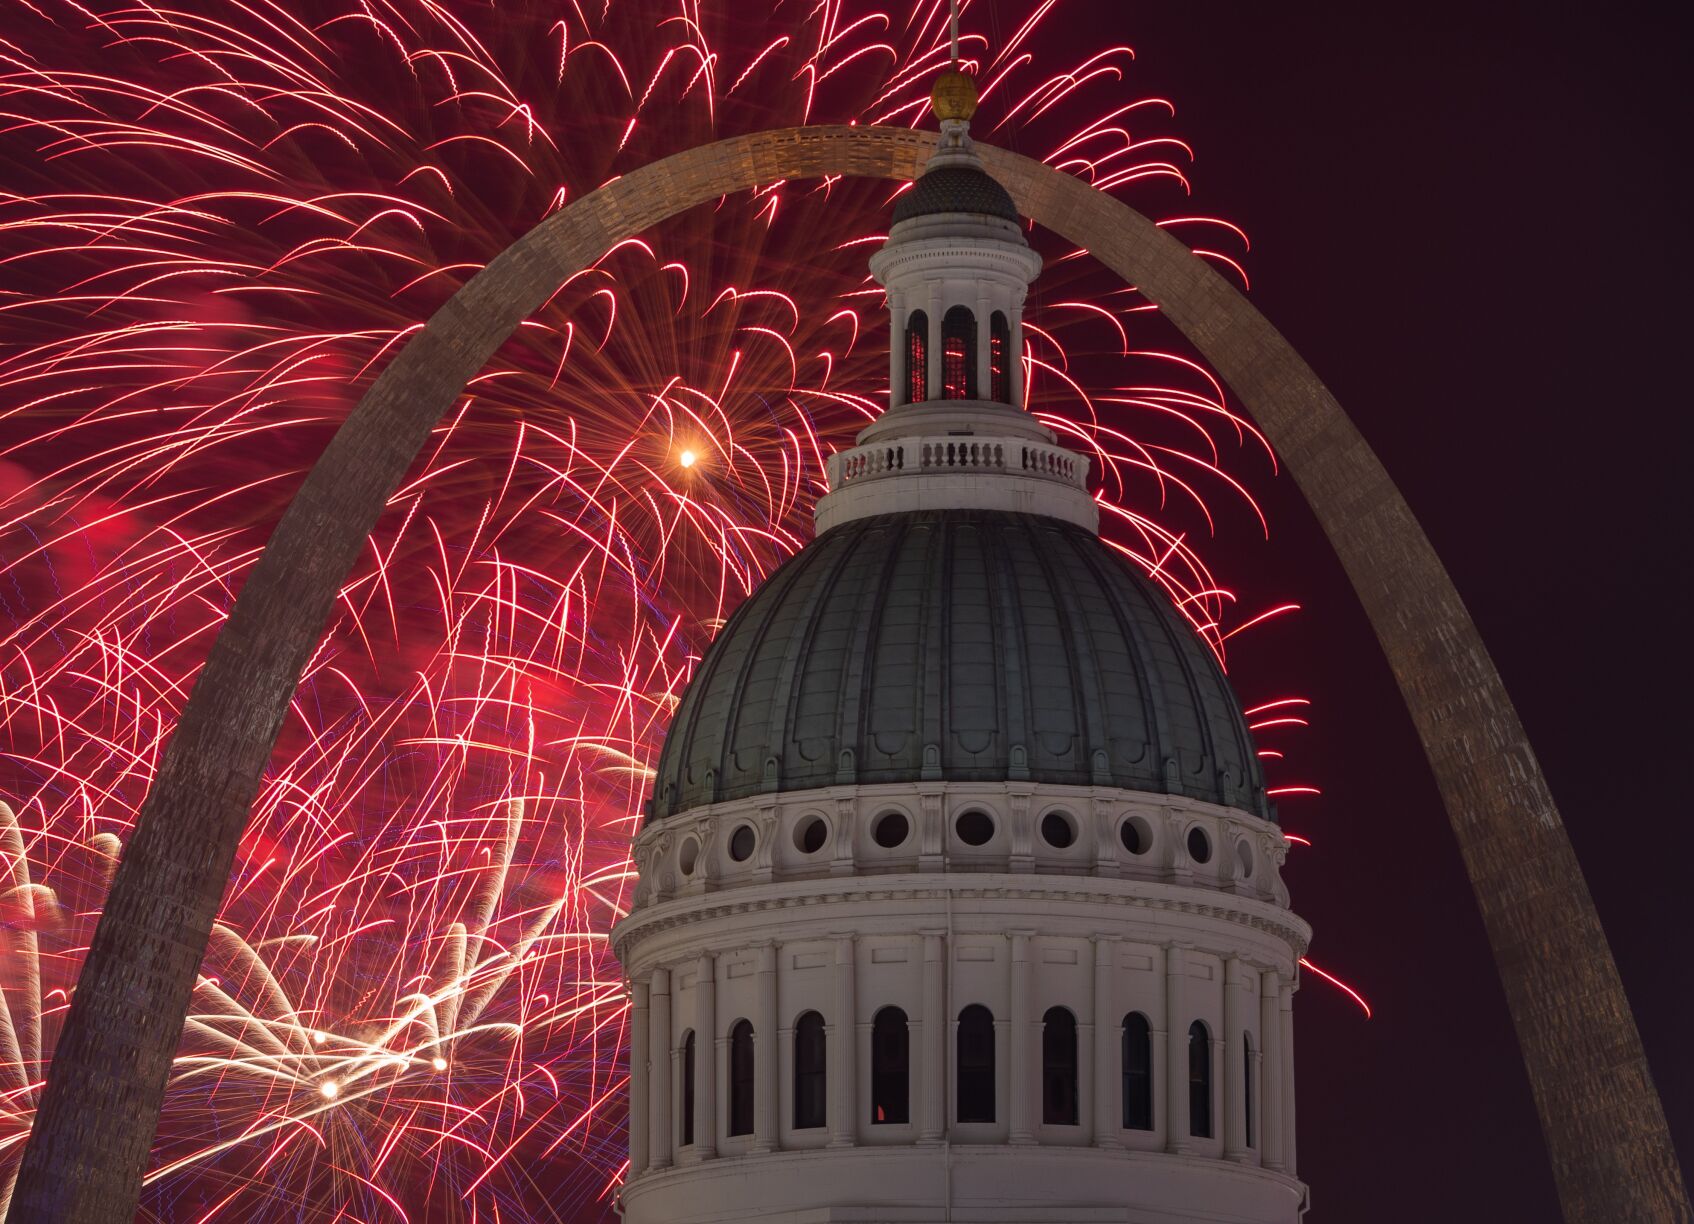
point(224, 220)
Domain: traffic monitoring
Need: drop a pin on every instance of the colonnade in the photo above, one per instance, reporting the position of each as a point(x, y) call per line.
point(1251, 1057)
point(935, 306)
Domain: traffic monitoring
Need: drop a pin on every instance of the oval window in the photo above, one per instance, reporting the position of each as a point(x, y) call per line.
point(741, 843)
point(890, 830)
point(974, 828)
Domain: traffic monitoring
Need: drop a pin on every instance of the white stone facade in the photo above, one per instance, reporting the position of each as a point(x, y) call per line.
point(932, 925)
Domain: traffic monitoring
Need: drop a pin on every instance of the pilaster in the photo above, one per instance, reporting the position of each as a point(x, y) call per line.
point(1177, 1138)
point(1107, 1077)
point(932, 1066)
point(659, 1129)
point(707, 1055)
point(843, 1048)
point(639, 1041)
point(766, 1059)
point(1022, 1055)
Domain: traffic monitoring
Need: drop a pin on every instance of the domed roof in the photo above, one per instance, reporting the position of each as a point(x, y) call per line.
point(956, 189)
point(964, 645)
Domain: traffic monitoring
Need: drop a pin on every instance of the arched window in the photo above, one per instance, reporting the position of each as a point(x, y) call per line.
point(890, 1067)
point(687, 1118)
point(1199, 1081)
point(1058, 1067)
point(976, 1064)
point(958, 354)
point(1247, 1083)
point(999, 359)
point(809, 1071)
point(741, 1078)
point(917, 357)
point(1137, 1072)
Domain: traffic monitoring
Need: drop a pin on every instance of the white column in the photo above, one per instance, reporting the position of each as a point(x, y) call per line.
point(1287, 1006)
point(984, 312)
point(932, 1063)
point(1016, 357)
point(706, 1055)
point(1176, 1058)
point(1220, 1119)
point(1022, 1125)
point(1108, 1074)
point(1256, 1098)
point(765, 1064)
point(785, 1063)
point(638, 1053)
point(934, 313)
point(659, 1128)
point(1234, 1063)
point(896, 351)
point(843, 1035)
point(1270, 1045)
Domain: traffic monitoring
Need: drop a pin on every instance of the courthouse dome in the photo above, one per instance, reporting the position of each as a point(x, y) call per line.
point(960, 645)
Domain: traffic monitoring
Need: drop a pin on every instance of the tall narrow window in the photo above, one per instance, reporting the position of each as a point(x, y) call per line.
point(1247, 1084)
point(741, 1078)
point(1058, 1067)
point(1137, 1073)
point(890, 1067)
point(687, 1118)
point(1199, 1081)
point(958, 354)
point(917, 357)
point(999, 359)
point(976, 1064)
point(810, 1084)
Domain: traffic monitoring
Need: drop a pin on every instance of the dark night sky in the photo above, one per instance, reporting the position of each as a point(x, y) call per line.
point(1470, 219)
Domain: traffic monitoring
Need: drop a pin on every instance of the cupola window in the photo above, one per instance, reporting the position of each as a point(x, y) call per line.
point(1137, 1072)
point(1199, 1081)
point(809, 1072)
point(890, 1067)
point(917, 357)
point(687, 1110)
point(976, 1064)
point(1058, 1067)
point(958, 354)
point(741, 1078)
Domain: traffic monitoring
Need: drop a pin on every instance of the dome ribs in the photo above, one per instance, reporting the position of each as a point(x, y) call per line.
point(958, 645)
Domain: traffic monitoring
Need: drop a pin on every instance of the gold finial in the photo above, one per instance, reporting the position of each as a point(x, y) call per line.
point(954, 96)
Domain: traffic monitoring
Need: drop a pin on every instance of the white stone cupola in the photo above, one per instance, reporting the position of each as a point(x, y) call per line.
point(957, 270)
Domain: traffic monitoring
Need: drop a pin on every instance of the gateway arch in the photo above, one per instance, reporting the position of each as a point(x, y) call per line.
point(1605, 1129)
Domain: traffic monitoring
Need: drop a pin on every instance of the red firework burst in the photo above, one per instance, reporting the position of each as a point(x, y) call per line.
point(226, 217)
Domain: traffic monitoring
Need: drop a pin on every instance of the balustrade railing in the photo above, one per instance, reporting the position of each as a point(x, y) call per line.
point(936, 455)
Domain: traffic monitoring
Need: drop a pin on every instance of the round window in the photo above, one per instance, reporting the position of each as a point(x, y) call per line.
point(688, 856)
point(1135, 835)
point(974, 828)
point(1244, 857)
point(1057, 830)
point(741, 843)
point(890, 830)
point(810, 835)
point(1199, 845)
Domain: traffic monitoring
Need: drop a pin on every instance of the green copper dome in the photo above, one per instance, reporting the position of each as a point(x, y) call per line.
point(965, 645)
